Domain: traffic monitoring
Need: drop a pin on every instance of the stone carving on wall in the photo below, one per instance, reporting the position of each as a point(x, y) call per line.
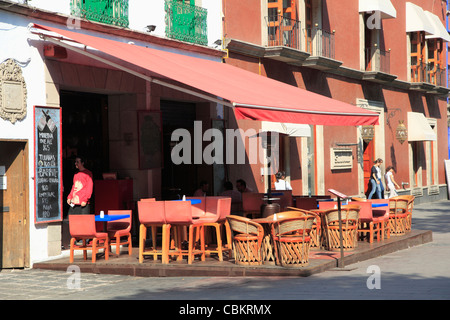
point(13, 92)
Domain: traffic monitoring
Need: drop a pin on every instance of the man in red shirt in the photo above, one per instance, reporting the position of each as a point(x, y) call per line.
point(81, 192)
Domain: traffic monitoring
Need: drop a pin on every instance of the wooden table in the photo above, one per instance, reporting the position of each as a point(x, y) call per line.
point(267, 247)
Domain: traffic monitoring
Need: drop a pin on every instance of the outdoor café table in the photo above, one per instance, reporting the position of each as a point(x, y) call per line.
point(378, 205)
point(107, 218)
point(267, 246)
point(193, 201)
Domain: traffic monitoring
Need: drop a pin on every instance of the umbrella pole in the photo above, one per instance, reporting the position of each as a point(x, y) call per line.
point(341, 260)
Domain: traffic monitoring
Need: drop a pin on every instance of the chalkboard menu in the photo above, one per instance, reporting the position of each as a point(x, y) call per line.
point(47, 164)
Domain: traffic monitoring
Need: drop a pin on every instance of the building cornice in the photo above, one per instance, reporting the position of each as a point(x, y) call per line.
point(330, 66)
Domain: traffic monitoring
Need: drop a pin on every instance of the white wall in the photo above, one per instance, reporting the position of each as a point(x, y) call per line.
point(21, 46)
point(60, 6)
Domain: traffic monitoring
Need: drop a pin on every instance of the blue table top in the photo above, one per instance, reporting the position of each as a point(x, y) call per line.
point(193, 201)
point(112, 217)
point(377, 205)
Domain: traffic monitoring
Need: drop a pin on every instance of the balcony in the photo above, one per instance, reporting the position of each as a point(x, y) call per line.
point(377, 64)
point(428, 76)
point(320, 44)
point(283, 40)
point(186, 22)
point(114, 12)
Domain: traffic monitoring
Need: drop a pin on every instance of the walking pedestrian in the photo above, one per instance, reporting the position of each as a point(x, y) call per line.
point(375, 180)
point(390, 182)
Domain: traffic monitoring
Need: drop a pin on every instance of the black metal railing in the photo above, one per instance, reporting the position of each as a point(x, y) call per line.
point(378, 60)
point(319, 42)
point(283, 31)
point(429, 73)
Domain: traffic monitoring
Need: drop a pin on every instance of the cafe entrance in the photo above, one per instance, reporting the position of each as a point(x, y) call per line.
point(14, 216)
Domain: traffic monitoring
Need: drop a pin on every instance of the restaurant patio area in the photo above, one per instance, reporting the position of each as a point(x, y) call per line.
point(319, 261)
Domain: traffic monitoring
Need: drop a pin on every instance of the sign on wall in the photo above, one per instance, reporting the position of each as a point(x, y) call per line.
point(341, 158)
point(47, 164)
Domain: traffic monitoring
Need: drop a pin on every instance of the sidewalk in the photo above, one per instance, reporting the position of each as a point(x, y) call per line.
point(420, 272)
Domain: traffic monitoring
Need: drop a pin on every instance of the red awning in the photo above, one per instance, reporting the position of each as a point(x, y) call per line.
point(252, 96)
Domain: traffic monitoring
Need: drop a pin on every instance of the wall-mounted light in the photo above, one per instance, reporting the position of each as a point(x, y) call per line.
point(367, 133)
point(401, 133)
point(150, 28)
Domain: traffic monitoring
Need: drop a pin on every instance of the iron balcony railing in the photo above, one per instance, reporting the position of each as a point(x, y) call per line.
point(186, 22)
point(283, 31)
point(378, 60)
point(429, 73)
point(319, 42)
point(114, 12)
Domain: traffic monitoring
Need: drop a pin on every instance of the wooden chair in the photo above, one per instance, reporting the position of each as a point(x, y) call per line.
point(292, 240)
point(178, 214)
point(247, 240)
point(154, 228)
point(316, 231)
point(408, 220)
point(212, 212)
point(120, 229)
point(151, 214)
point(350, 217)
point(368, 224)
point(223, 210)
point(398, 215)
point(251, 204)
point(382, 213)
point(82, 227)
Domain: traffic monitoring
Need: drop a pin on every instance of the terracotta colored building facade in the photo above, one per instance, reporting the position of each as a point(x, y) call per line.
point(386, 56)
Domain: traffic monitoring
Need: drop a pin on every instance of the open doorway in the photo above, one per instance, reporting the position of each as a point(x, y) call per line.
point(177, 180)
point(84, 133)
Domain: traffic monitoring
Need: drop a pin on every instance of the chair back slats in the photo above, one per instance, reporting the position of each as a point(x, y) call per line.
point(151, 212)
point(82, 225)
point(398, 205)
point(198, 209)
point(178, 212)
point(224, 208)
point(348, 213)
point(300, 225)
point(244, 225)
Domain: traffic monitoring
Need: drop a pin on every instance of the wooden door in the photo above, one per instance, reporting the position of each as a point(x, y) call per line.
point(282, 23)
point(13, 205)
point(308, 25)
point(368, 158)
point(417, 55)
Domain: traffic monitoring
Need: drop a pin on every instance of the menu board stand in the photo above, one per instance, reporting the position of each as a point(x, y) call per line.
point(47, 164)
